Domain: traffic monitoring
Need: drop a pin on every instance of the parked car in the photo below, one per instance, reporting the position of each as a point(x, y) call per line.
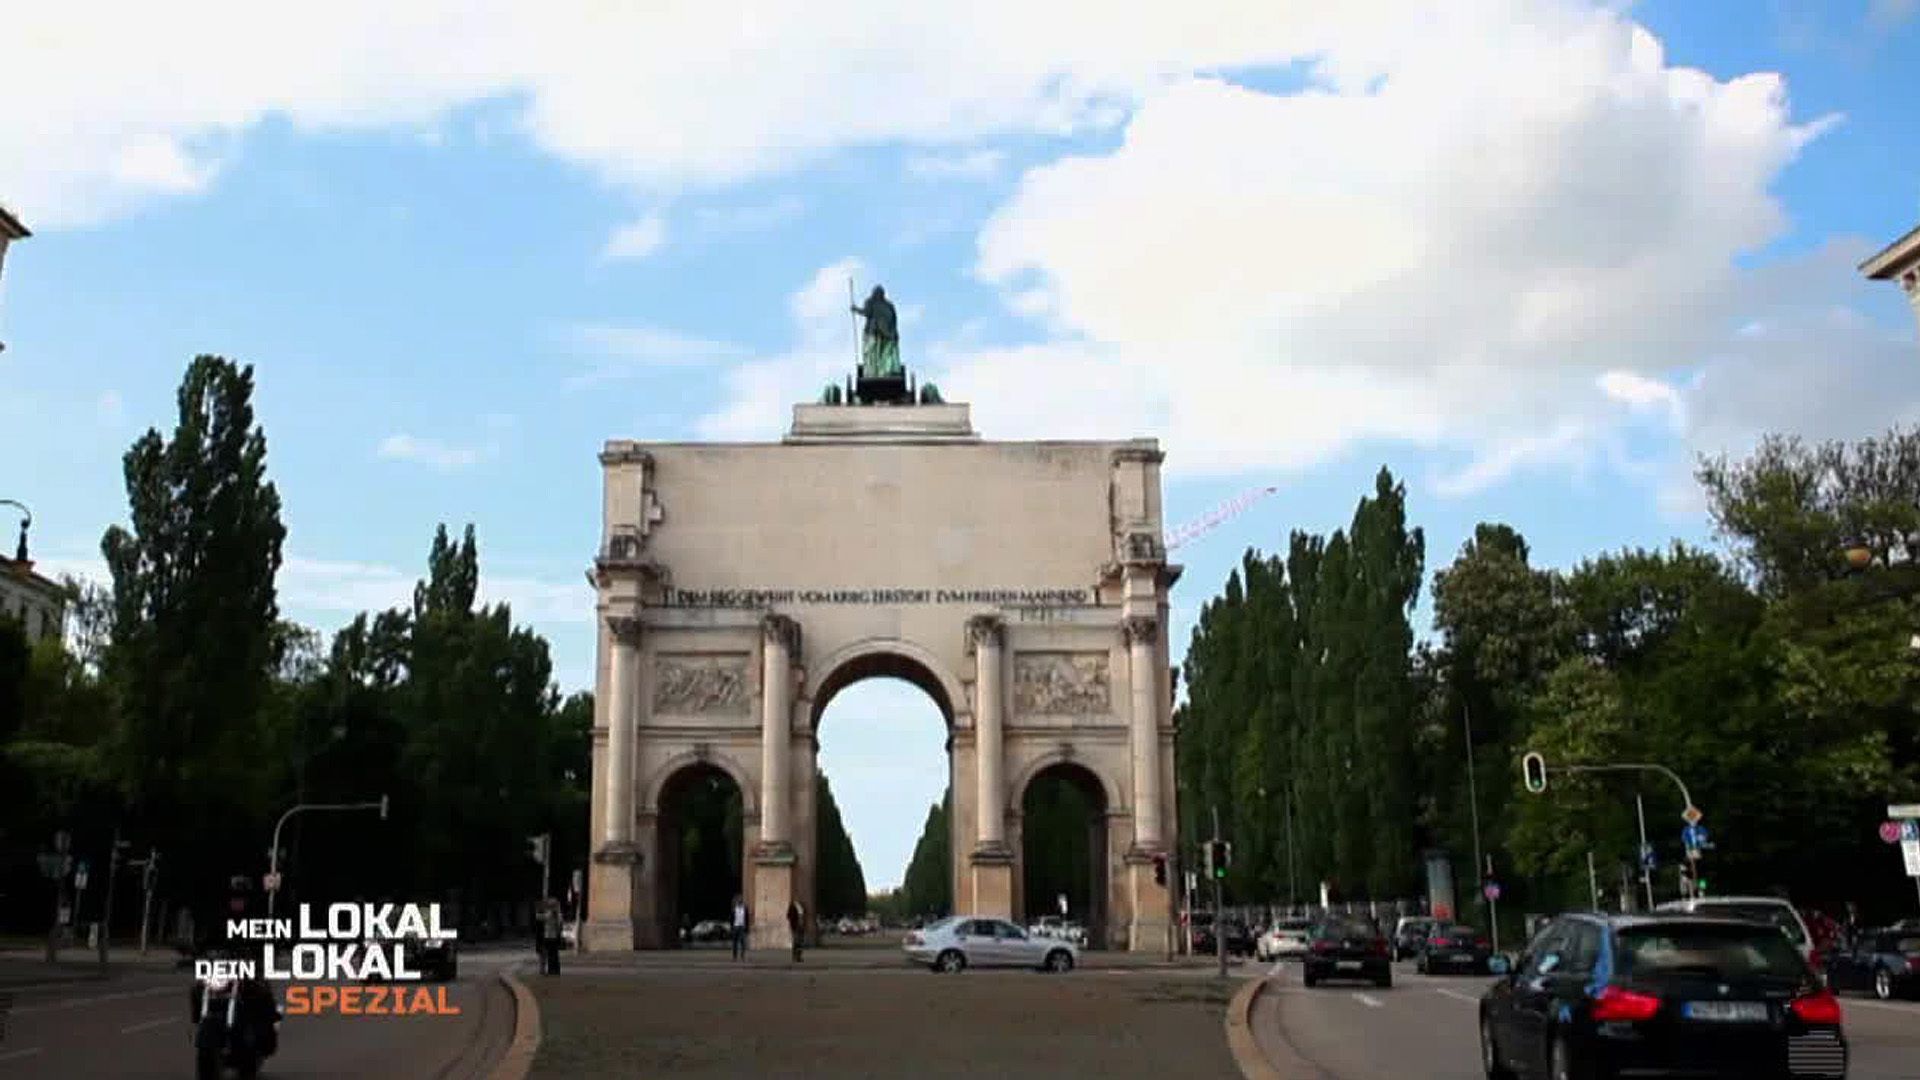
point(1348, 947)
point(1885, 963)
point(1284, 940)
point(1766, 909)
point(959, 942)
point(1410, 936)
point(437, 959)
point(1662, 994)
point(1454, 947)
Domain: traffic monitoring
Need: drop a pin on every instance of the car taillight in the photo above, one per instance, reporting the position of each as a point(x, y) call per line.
point(1613, 1003)
point(1913, 963)
point(1380, 947)
point(1819, 1007)
point(915, 939)
point(1323, 946)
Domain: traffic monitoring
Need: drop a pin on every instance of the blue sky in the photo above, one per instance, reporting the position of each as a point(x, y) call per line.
point(1533, 255)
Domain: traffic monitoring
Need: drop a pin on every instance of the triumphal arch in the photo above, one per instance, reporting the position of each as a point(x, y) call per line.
point(1021, 585)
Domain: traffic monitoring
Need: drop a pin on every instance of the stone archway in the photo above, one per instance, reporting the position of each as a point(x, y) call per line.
point(1090, 883)
point(1022, 585)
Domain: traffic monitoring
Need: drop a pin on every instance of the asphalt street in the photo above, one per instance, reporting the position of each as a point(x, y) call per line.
point(1426, 1026)
point(135, 1025)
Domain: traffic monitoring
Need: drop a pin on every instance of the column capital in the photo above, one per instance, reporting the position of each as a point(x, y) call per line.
point(1140, 629)
point(626, 628)
point(987, 630)
point(782, 630)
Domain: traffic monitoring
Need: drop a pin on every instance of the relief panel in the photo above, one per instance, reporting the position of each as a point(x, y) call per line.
point(702, 684)
point(1061, 684)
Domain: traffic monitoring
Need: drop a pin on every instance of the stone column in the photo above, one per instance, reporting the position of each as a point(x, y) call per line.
point(776, 729)
point(989, 636)
point(616, 884)
point(774, 858)
point(1142, 631)
point(992, 859)
point(616, 831)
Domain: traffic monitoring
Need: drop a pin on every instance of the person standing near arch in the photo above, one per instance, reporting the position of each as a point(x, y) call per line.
point(739, 927)
point(796, 926)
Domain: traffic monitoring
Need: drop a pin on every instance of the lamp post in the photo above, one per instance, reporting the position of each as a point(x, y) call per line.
point(273, 853)
point(26, 522)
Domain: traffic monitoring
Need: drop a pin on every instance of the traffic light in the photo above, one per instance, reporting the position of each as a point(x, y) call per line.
point(537, 848)
point(1219, 857)
point(1159, 869)
point(1533, 769)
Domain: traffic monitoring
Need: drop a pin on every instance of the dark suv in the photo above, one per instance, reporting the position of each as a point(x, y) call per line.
point(1606, 995)
point(1347, 947)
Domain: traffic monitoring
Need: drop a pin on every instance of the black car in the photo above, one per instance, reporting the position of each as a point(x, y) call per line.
point(1885, 963)
point(1604, 995)
point(435, 959)
point(1347, 947)
point(1454, 947)
point(1239, 938)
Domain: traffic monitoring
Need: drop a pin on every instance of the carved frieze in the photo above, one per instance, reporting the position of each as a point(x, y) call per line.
point(702, 684)
point(1061, 684)
point(1142, 547)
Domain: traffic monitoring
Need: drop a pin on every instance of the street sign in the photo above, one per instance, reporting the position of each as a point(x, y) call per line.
point(1694, 837)
point(80, 876)
point(1910, 830)
point(1890, 832)
point(1904, 810)
point(1492, 890)
point(1910, 849)
point(1692, 815)
point(271, 882)
point(1646, 856)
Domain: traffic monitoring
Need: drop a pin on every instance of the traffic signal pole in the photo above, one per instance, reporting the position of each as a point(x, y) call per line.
point(1213, 871)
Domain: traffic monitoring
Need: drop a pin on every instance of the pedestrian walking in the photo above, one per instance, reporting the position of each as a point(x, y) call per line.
point(796, 926)
point(552, 931)
point(739, 928)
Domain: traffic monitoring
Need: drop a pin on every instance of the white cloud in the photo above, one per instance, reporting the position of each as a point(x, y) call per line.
point(761, 393)
point(616, 352)
point(433, 452)
point(132, 103)
point(971, 165)
point(110, 407)
point(636, 239)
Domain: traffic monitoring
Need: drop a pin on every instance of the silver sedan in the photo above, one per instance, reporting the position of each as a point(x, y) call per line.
point(958, 942)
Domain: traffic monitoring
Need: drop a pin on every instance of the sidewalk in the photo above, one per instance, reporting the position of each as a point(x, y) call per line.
point(850, 955)
point(29, 967)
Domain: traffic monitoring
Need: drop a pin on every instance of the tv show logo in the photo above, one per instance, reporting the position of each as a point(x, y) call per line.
point(353, 943)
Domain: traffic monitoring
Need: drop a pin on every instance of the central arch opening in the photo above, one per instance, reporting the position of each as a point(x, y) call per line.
point(884, 821)
point(702, 847)
point(1063, 850)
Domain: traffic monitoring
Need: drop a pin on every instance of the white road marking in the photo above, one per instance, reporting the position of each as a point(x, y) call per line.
point(1887, 1005)
point(1457, 995)
point(74, 1003)
point(15, 1055)
point(1279, 967)
point(149, 1024)
point(1371, 1002)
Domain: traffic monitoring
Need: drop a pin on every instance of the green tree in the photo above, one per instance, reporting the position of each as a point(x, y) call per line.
point(193, 647)
point(927, 888)
point(840, 887)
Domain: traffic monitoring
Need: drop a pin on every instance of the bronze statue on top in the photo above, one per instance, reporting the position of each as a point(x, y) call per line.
point(879, 378)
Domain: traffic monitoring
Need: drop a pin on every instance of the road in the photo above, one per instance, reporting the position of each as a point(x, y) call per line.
point(1339, 1028)
point(135, 1025)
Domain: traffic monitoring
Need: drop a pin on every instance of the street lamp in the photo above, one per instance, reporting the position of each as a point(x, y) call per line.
point(26, 522)
point(273, 853)
point(1858, 555)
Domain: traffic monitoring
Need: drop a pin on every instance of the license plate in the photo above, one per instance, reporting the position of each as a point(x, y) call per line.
point(1726, 1011)
point(1347, 965)
point(1460, 956)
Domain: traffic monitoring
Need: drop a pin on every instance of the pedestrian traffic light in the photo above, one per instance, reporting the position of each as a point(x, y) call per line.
point(1159, 869)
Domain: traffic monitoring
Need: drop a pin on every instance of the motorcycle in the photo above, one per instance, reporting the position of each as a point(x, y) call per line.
point(236, 1023)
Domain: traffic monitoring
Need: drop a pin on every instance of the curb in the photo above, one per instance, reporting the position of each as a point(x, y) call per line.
point(1240, 1041)
point(518, 1060)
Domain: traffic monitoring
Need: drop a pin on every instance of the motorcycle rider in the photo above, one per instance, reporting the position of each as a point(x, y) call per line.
point(258, 1008)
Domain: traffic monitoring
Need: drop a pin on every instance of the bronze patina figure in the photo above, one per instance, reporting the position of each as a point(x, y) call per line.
point(880, 352)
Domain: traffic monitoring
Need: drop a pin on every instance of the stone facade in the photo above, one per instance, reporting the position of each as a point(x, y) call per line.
point(1899, 262)
point(1022, 585)
point(35, 602)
